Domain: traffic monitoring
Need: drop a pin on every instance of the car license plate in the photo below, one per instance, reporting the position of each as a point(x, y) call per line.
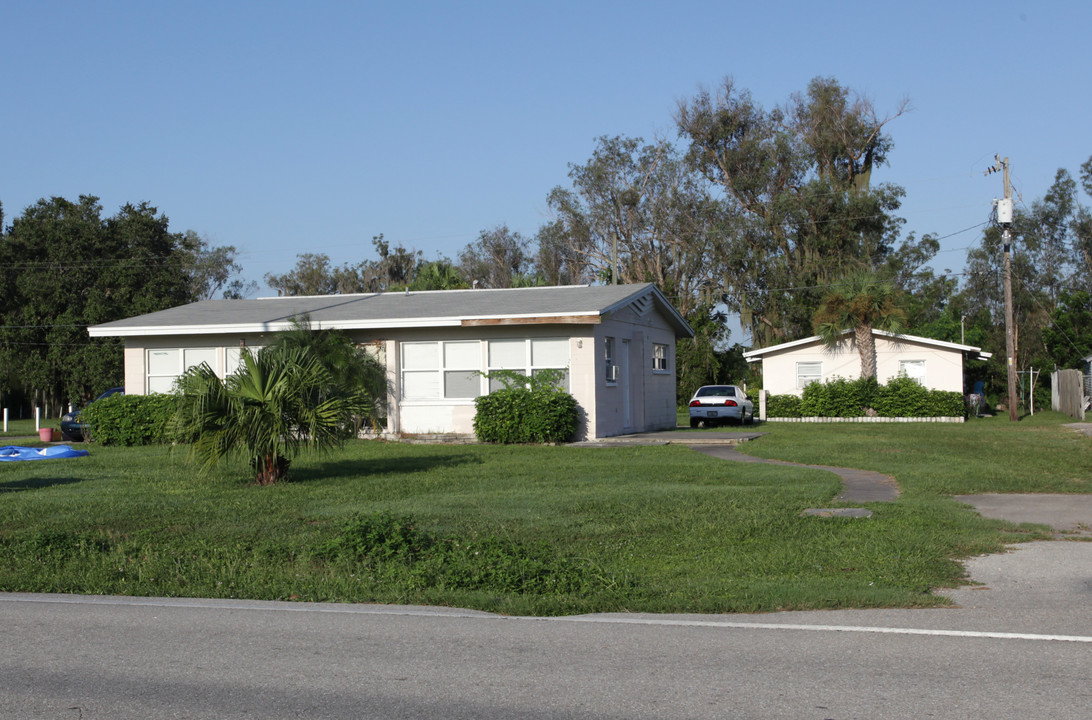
point(710, 413)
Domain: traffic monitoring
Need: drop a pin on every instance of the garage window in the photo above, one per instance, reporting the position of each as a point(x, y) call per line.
point(659, 358)
point(611, 370)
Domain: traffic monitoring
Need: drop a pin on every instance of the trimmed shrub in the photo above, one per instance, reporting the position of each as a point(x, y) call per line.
point(906, 397)
point(838, 397)
point(783, 406)
point(530, 409)
point(130, 419)
point(519, 415)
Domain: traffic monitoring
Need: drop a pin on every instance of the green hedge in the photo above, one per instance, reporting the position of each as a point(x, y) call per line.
point(520, 415)
point(130, 419)
point(783, 406)
point(904, 397)
point(838, 397)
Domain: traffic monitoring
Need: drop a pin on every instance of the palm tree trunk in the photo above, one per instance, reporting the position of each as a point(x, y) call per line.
point(271, 469)
point(866, 347)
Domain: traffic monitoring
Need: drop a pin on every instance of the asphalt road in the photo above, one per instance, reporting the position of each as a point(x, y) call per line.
point(1007, 654)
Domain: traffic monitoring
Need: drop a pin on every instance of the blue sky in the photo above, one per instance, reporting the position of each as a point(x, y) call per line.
point(290, 127)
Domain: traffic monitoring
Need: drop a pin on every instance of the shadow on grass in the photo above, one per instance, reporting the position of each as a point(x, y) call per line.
point(37, 483)
point(372, 467)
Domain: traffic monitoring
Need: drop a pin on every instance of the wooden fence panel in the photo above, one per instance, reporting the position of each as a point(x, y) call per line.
point(1067, 392)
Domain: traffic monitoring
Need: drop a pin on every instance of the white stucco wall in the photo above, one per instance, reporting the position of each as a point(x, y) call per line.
point(651, 393)
point(943, 366)
point(441, 415)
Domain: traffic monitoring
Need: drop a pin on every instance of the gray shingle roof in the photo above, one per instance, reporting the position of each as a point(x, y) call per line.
point(397, 309)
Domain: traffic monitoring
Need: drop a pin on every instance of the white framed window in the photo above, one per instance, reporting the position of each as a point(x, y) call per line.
point(611, 374)
point(166, 365)
point(233, 358)
point(163, 369)
point(913, 369)
point(659, 358)
point(529, 357)
point(441, 369)
point(462, 369)
point(807, 373)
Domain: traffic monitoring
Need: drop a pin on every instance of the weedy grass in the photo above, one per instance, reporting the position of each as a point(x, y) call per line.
point(532, 530)
point(24, 428)
point(983, 455)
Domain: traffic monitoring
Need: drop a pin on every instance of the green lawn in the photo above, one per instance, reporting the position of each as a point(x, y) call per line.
point(982, 455)
point(543, 530)
point(25, 428)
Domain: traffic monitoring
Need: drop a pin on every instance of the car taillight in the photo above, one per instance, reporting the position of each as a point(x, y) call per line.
point(695, 403)
point(729, 403)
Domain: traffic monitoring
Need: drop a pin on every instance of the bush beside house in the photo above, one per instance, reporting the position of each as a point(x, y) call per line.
point(840, 398)
point(527, 410)
point(130, 419)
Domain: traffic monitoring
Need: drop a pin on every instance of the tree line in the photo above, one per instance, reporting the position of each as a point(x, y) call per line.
point(764, 213)
point(769, 214)
point(63, 267)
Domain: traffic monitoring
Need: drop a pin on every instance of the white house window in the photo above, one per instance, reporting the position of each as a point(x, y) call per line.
point(433, 370)
point(808, 372)
point(166, 365)
point(659, 357)
point(506, 355)
point(608, 355)
point(233, 358)
point(462, 363)
point(528, 357)
point(913, 369)
point(163, 369)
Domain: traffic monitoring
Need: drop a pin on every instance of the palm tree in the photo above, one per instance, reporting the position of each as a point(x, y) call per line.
point(351, 367)
point(279, 403)
point(862, 303)
point(437, 275)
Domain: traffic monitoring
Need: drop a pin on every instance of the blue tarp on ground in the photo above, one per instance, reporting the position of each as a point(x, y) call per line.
point(12, 453)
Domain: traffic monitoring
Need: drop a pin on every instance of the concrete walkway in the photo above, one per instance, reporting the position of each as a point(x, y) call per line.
point(857, 485)
point(1070, 516)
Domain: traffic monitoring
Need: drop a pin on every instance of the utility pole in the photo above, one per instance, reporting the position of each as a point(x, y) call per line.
point(614, 257)
point(1004, 219)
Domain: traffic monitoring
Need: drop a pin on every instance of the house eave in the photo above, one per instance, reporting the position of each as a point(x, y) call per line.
point(758, 354)
point(582, 318)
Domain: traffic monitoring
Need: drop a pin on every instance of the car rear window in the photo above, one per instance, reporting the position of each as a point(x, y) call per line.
point(717, 391)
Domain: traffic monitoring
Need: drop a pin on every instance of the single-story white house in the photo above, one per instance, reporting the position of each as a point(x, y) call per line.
point(788, 368)
point(616, 342)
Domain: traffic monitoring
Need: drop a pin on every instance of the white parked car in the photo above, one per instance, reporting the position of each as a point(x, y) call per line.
point(716, 404)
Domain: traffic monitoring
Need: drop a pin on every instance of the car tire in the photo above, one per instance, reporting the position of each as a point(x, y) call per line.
point(693, 422)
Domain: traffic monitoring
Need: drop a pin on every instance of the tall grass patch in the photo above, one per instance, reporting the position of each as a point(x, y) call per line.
point(527, 530)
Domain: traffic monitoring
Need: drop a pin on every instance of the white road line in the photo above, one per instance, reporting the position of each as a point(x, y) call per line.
point(835, 628)
point(273, 606)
